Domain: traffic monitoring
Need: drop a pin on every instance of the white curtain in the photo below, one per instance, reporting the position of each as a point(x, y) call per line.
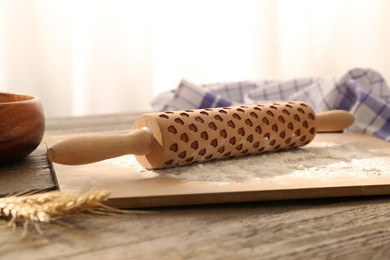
point(111, 56)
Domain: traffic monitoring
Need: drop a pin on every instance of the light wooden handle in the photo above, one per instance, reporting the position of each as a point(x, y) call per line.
point(334, 121)
point(93, 148)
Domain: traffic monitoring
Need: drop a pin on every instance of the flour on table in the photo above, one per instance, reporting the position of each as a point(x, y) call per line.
point(318, 161)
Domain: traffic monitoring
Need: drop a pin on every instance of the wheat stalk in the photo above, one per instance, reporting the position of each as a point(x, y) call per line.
point(49, 206)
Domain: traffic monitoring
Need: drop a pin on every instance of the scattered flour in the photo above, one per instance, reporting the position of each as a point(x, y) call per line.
point(319, 161)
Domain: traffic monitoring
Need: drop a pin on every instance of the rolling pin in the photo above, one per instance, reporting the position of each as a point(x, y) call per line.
point(168, 139)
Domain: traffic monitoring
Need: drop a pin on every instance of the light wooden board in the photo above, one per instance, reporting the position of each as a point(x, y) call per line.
point(132, 188)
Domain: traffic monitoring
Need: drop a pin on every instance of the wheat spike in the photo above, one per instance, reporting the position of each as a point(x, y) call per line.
point(36, 208)
point(46, 207)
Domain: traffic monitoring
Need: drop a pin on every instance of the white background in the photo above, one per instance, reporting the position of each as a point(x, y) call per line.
point(86, 57)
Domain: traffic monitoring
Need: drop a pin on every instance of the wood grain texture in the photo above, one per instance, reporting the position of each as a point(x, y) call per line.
point(325, 229)
point(342, 228)
point(32, 173)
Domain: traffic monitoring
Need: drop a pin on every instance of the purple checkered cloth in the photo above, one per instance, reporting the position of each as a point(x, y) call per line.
point(363, 92)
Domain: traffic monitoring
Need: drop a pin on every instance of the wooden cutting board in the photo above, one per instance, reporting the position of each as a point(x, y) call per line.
point(332, 165)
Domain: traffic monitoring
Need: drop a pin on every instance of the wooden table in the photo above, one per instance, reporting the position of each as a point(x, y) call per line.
point(339, 228)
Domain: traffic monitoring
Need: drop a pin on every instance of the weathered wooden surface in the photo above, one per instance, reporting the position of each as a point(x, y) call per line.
point(32, 173)
point(343, 228)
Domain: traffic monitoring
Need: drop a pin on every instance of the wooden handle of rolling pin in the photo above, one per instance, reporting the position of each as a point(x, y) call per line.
point(334, 120)
point(93, 148)
point(88, 149)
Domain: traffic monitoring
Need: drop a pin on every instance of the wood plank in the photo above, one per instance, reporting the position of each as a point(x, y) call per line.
point(33, 173)
point(311, 229)
point(133, 187)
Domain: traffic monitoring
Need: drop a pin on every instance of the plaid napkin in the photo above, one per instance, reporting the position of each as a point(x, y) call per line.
point(363, 92)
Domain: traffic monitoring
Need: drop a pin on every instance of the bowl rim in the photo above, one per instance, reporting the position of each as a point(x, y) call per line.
point(28, 98)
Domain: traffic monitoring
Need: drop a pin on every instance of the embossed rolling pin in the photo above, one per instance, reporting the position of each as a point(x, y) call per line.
point(168, 139)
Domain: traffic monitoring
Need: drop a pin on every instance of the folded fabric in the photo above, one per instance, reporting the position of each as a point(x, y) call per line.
point(363, 92)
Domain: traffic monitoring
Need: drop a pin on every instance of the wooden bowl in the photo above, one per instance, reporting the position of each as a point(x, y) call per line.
point(22, 125)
